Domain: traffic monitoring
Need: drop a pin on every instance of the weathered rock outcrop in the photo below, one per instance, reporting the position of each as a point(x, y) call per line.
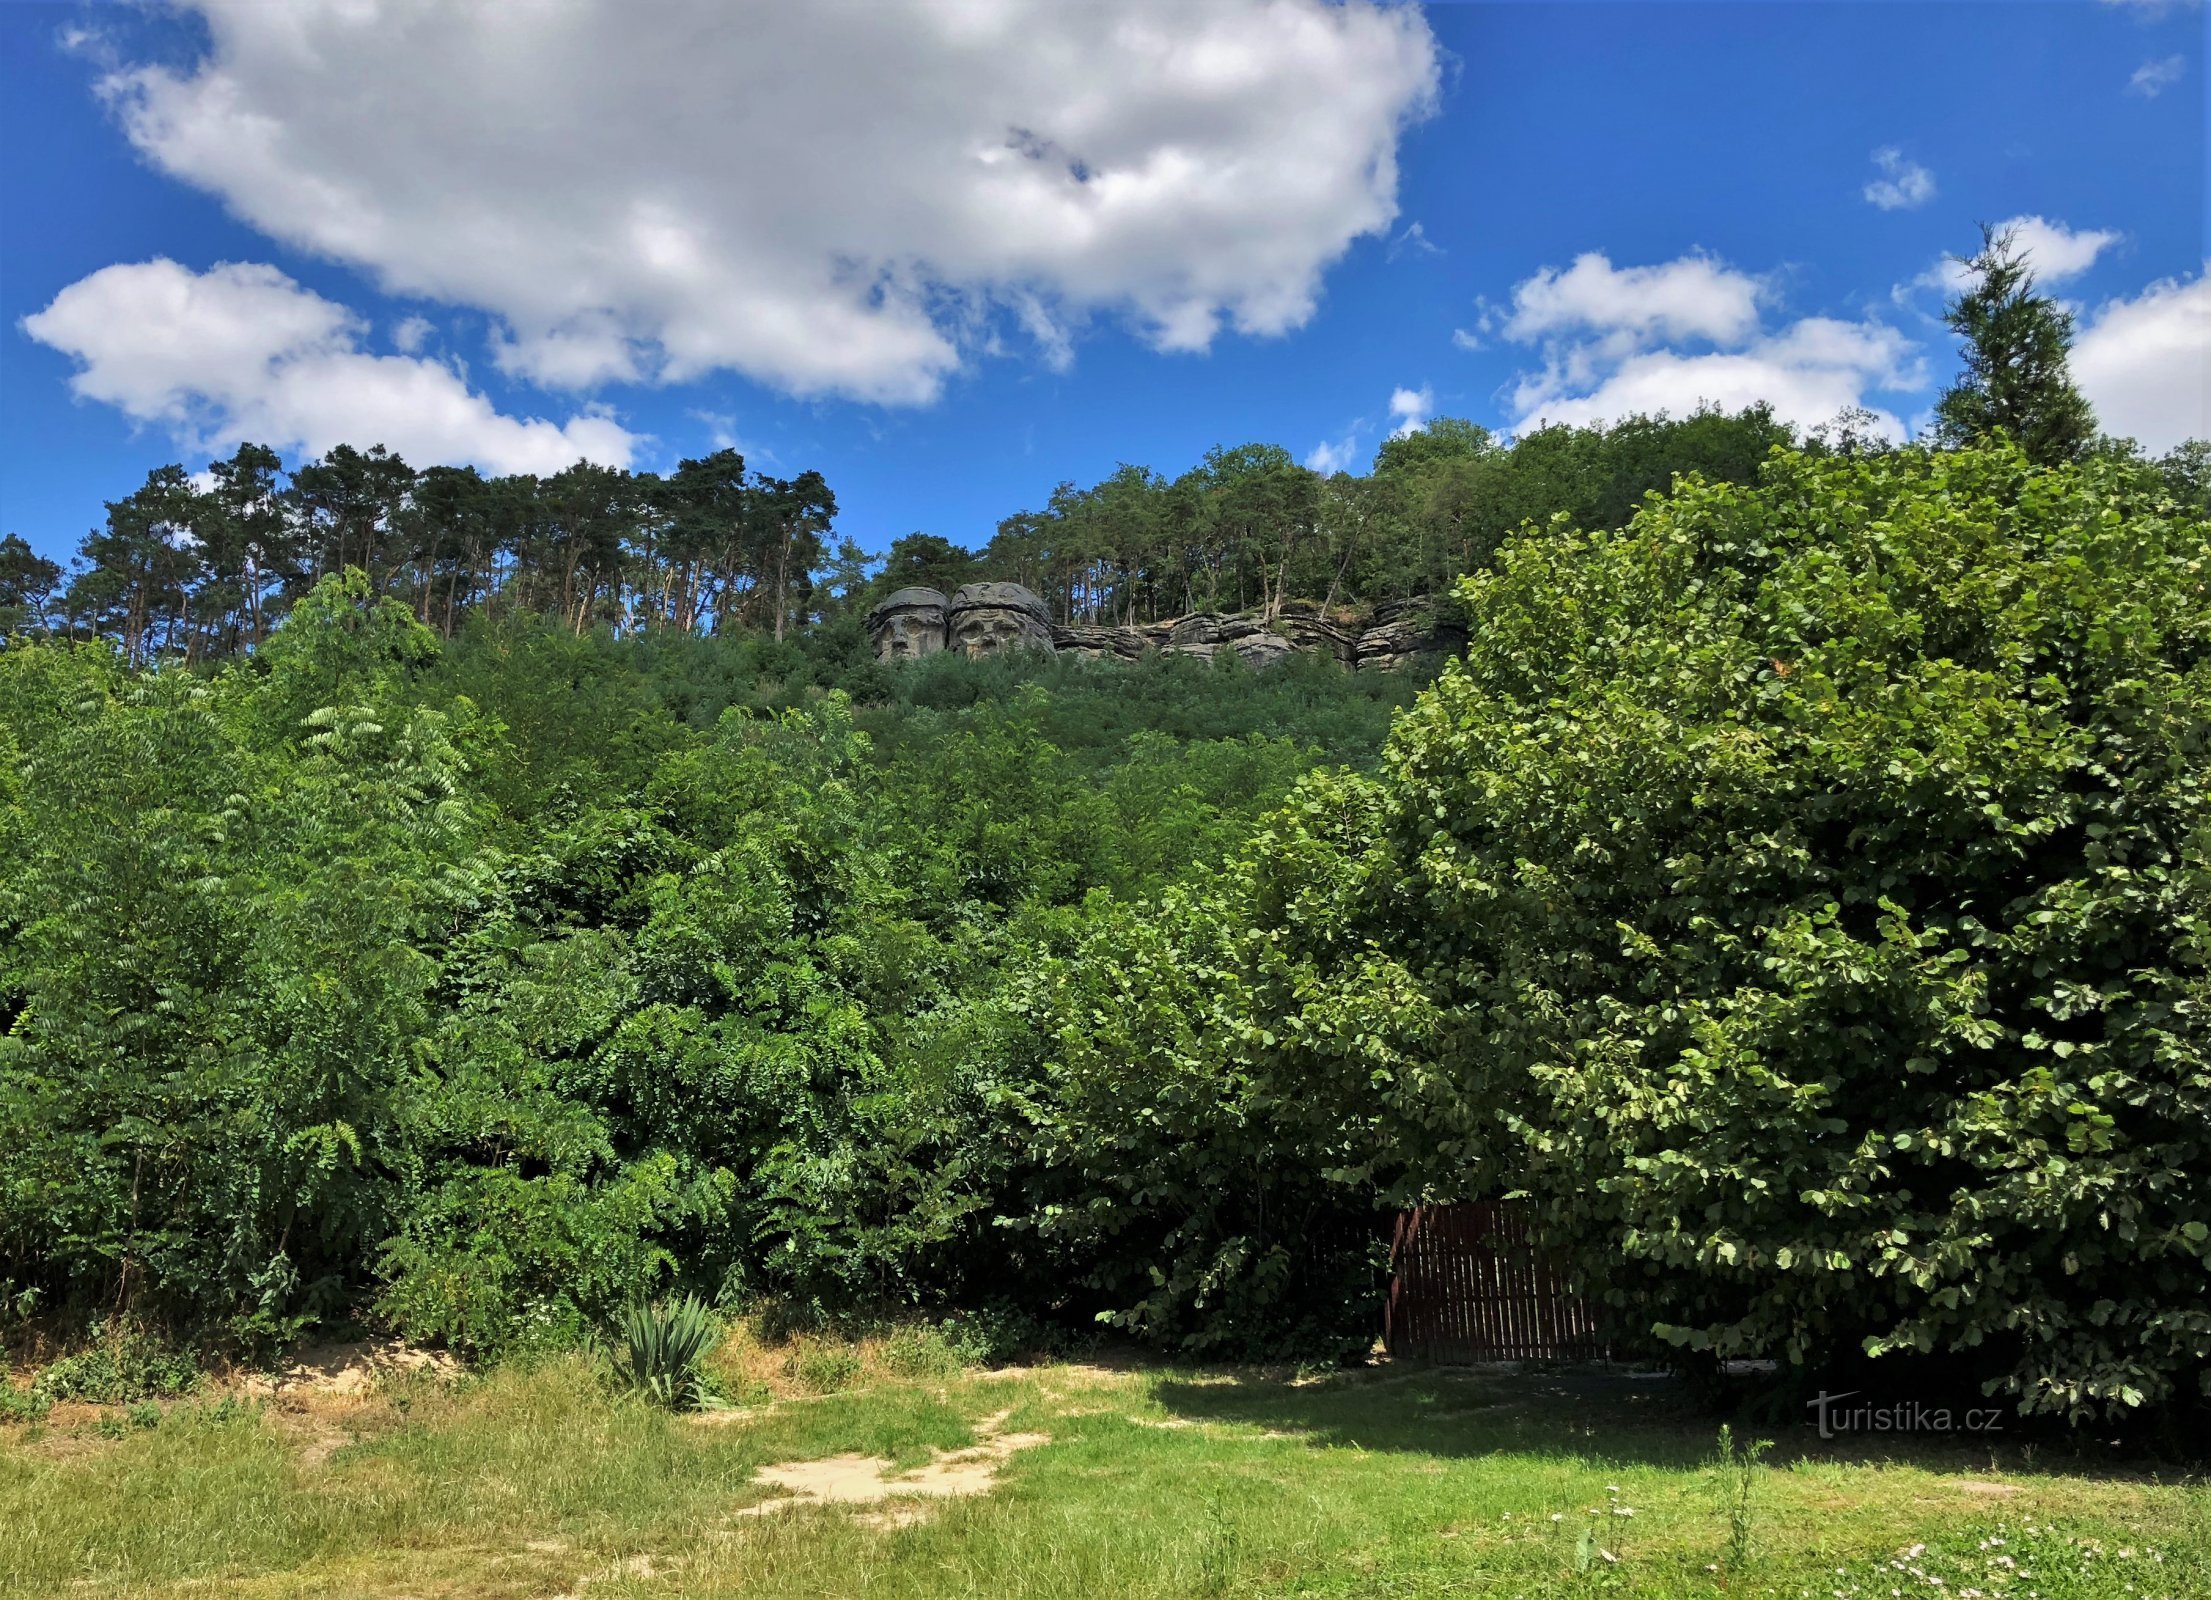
point(987, 618)
point(1198, 635)
point(1401, 631)
point(909, 623)
point(1389, 637)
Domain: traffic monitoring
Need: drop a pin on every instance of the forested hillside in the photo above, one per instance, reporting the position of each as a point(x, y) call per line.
point(204, 568)
point(475, 921)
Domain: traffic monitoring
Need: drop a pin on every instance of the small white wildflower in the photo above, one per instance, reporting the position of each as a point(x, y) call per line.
point(1558, 1516)
point(1608, 1555)
point(1623, 1511)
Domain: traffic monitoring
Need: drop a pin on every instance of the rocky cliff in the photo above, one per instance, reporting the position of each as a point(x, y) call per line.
point(986, 618)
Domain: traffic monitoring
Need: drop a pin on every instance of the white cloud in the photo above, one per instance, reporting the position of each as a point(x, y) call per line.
point(1808, 372)
point(1466, 339)
point(243, 352)
point(2145, 363)
point(2151, 10)
point(1410, 410)
point(2153, 78)
point(1332, 456)
point(1413, 240)
point(1694, 297)
point(1687, 333)
point(2055, 252)
point(1904, 184)
point(410, 334)
point(831, 197)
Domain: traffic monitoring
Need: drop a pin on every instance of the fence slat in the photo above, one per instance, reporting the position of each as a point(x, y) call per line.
point(1470, 1283)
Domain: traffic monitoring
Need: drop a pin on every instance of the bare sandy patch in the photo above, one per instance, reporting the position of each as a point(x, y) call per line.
point(873, 1481)
point(1982, 1486)
point(348, 1370)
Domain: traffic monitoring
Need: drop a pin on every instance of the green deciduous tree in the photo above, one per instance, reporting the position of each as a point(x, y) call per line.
point(1805, 893)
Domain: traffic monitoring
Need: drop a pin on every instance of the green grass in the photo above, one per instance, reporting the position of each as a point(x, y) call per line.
point(1154, 1483)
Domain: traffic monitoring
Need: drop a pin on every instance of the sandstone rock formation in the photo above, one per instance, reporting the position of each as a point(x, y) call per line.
point(1197, 635)
point(908, 624)
point(990, 618)
point(986, 618)
point(1401, 631)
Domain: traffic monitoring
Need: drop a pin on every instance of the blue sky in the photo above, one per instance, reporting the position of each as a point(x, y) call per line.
point(951, 257)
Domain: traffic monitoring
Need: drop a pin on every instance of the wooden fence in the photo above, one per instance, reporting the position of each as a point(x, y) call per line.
point(1467, 1283)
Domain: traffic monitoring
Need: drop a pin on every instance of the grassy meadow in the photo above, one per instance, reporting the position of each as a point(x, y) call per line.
point(1067, 1479)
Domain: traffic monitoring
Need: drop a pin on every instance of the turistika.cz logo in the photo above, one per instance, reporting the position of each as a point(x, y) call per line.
point(1911, 1416)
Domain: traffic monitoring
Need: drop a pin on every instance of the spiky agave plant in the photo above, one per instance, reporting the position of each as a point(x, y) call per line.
point(660, 1348)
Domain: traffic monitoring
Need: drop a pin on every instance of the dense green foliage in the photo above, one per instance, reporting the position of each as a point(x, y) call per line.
point(1800, 889)
point(1805, 895)
point(504, 981)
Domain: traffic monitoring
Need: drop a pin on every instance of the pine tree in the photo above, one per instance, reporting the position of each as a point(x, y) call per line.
point(2015, 379)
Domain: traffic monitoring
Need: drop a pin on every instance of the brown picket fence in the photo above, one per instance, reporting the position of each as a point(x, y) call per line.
point(1468, 1283)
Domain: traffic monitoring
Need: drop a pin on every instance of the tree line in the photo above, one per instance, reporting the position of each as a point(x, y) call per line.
point(199, 569)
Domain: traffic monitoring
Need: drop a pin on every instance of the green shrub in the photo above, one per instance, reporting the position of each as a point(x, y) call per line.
point(1805, 893)
point(660, 1350)
point(920, 1353)
point(122, 1366)
point(22, 1405)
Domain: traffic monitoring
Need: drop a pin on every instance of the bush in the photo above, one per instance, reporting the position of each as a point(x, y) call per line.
point(122, 1366)
point(920, 1353)
point(1805, 893)
point(660, 1350)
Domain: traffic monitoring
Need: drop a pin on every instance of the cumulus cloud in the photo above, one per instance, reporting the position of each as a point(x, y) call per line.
point(1687, 333)
point(1808, 372)
point(1902, 185)
point(1694, 297)
point(2145, 363)
point(1410, 410)
point(243, 352)
point(2055, 252)
point(1332, 456)
point(2058, 252)
point(2153, 78)
point(832, 197)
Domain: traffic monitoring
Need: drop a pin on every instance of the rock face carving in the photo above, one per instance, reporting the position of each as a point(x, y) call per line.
point(988, 619)
point(909, 623)
point(983, 619)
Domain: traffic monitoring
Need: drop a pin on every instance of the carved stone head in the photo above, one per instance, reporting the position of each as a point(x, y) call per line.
point(990, 618)
point(907, 624)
